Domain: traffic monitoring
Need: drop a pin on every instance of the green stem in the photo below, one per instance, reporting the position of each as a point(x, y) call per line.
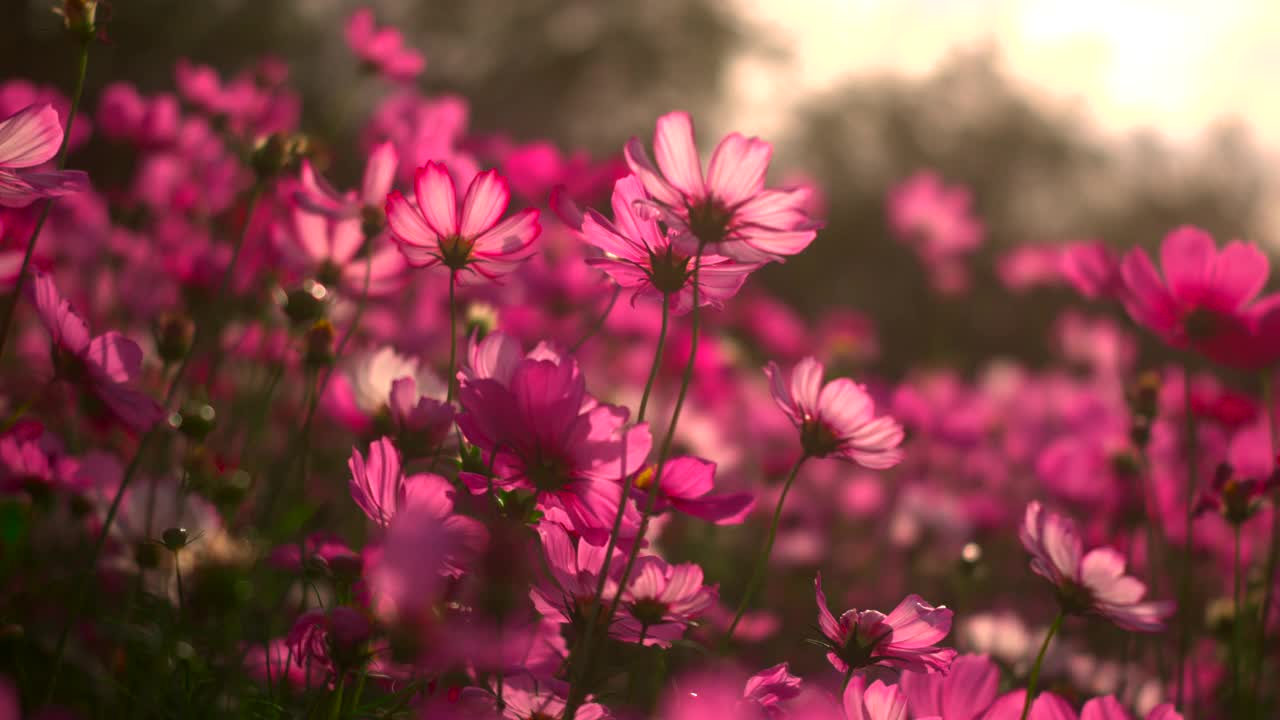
point(599, 323)
point(335, 708)
point(177, 571)
point(1184, 590)
point(656, 364)
point(453, 335)
point(1237, 644)
point(757, 574)
point(576, 692)
point(1273, 552)
point(82, 68)
point(1035, 669)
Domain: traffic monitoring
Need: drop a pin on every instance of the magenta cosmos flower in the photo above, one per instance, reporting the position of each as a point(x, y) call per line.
point(728, 211)
point(876, 701)
point(101, 366)
point(317, 195)
point(837, 419)
point(686, 486)
point(1048, 706)
point(1206, 300)
point(30, 138)
point(541, 431)
point(640, 256)
point(937, 221)
point(1092, 582)
point(436, 231)
point(903, 639)
point(328, 249)
point(381, 489)
point(382, 49)
point(661, 600)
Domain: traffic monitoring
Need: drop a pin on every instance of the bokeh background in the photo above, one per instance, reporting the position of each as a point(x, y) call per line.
point(1089, 119)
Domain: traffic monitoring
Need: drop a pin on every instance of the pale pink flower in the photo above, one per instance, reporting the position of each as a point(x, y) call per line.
point(382, 48)
point(903, 639)
point(876, 701)
point(772, 686)
point(661, 600)
point(964, 693)
point(728, 211)
point(317, 195)
point(837, 419)
point(381, 489)
point(468, 238)
point(28, 139)
point(937, 221)
point(686, 485)
point(641, 257)
point(1092, 582)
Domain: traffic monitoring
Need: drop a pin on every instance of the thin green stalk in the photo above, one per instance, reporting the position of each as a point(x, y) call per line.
point(1273, 552)
point(757, 574)
point(335, 708)
point(82, 68)
point(628, 482)
point(1034, 679)
point(576, 692)
point(177, 571)
point(86, 575)
point(1184, 591)
point(1237, 623)
point(453, 335)
point(599, 323)
point(657, 359)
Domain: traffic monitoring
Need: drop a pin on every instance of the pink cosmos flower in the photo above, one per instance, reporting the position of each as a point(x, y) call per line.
point(661, 600)
point(317, 195)
point(685, 485)
point(124, 114)
point(30, 138)
point(101, 366)
point(382, 48)
point(728, 211)
point(837, 419)
point(542, 432)
point(903, 639)
point(1236, 498)
point(772, 686)
point(1048, 706)
point(436, 231)
point(328, 250)
point(380, 488)
point(876, 701)
point(424, 422)
point(964, 693)
point(526, 698)
point(1092, 582)
point(937, 221)
point(419, 549)
point(640, 256)
point(575, 568)
point(1208, 300)
point(333, 640)
point(1092, 269)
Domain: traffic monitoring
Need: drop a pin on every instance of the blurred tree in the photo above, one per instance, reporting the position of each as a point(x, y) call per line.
point(580, 72)
point(1038, 173)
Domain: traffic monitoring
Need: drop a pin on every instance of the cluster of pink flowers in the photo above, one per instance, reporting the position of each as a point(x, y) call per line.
point(400, 451)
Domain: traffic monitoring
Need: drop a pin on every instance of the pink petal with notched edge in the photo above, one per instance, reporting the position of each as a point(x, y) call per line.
point(379, 174)
point(66, 327)
point(1239, 274)
point(114, 357)
point(738, 168)
point(30, 137)
point(486, 200)
point(677, 155)
point(433, 189)
point(1187, 257)
point(918, 624)
point(1104, 708)
point(510, 239)
point(826, 621)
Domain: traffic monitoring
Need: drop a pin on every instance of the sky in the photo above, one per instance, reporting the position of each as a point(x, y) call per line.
point(1176, 66)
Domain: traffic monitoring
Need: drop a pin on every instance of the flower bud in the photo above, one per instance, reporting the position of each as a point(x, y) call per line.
point(372, 221)
point(196, 420)
point(80, 18)
point(1144, 396)
point(173, 334)
point(319, 345)
point(276, 152)
point(175, 538)
point(307, 304)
